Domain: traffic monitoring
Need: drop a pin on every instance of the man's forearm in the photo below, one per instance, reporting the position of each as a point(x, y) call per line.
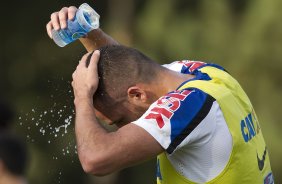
point(92, 140)
point(96, 39)
point(86, 125)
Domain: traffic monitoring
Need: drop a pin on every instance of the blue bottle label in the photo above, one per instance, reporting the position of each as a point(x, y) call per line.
point(86, 19)
point(73, 32)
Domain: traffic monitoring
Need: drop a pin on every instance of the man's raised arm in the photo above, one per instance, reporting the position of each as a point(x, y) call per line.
point(97, 38)
point(94, 39)
point(102, 152)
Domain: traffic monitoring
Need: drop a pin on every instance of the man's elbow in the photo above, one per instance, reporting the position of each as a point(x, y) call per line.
point(96, 166)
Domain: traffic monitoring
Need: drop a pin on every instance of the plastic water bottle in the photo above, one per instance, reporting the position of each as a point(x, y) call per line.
point(86, 19)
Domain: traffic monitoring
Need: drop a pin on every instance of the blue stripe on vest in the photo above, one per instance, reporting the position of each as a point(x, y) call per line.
point(189, 115)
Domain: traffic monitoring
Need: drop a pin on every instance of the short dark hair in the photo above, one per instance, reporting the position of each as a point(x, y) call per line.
point(13, 154)
point(119, 68)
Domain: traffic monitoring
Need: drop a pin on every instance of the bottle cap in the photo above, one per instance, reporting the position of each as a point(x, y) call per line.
point(87, 17)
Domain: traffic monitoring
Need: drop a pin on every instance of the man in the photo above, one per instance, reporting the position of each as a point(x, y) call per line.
point(13, 156)
point(194, 116)
point(6, 115)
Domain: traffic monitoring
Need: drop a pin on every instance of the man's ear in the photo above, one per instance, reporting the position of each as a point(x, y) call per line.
point(136, 94)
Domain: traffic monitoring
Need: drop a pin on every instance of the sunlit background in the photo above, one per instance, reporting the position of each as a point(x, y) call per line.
point(244, 36)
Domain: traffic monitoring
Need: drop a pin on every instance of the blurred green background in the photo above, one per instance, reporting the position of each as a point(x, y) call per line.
point(244, 36)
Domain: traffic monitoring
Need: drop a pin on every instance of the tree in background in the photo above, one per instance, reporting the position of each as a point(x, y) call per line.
point(243, 36)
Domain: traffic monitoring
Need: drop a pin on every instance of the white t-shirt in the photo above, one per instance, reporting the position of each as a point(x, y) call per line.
point(190, 126)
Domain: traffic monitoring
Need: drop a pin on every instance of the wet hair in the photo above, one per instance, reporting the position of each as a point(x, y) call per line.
point(13, 154)
point(121, 67)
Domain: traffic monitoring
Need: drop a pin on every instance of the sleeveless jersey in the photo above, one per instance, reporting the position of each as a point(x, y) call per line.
point(245, 159)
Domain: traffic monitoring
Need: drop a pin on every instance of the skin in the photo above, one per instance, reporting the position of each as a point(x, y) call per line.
point(6, 177)
point(102, 152)
point(95, 39)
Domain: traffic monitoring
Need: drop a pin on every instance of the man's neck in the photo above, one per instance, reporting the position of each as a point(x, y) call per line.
point(165, 82)
point(170, 80)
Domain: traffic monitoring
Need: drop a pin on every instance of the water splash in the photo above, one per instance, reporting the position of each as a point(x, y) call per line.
point(50, 124)
point(53, 124)
point(65, 126)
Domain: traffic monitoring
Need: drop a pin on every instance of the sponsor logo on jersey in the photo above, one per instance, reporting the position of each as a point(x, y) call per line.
point(249, 128)
point(167, 105)
point(192, 65)
point(269, 179)
point(159, 175)
point(261, 161)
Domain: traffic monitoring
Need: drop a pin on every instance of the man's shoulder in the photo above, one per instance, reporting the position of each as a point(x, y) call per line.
point(175, 115)
point(189, 66)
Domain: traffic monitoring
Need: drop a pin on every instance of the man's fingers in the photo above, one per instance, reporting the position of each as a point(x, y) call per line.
point(71, 12)
point(94, 60)
point(88, 59)
point(55, 20)
point(49, 28)
point(82, 62)
point(59, 19)
point(63, 17)
point(73, 74)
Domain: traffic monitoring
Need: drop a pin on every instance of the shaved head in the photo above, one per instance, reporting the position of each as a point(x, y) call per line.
point(121, 67)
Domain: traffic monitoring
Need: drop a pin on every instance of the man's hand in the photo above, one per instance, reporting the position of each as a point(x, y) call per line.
point(59, 19)
point(92, 41)
point(85, 79)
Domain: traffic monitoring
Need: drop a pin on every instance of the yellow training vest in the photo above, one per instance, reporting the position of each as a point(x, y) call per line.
point(249, 161)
